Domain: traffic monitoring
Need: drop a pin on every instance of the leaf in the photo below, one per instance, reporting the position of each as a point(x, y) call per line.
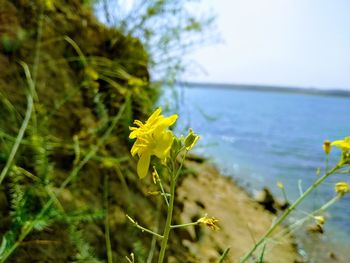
point(3, 245)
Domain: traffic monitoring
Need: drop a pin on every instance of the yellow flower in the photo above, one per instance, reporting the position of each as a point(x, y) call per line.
point(320, 220)
point(280, 185)
point(342, 188)
point(152, 138)
point(210, 222)
point(327, 147)
point(344, 145)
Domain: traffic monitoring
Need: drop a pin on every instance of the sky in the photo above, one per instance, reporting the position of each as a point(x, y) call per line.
point(300, 43)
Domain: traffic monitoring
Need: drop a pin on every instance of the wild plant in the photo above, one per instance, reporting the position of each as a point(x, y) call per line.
point(341, 188)
point(153, 138)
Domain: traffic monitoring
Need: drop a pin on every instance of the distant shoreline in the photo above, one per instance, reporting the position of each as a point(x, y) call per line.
point(267, 88)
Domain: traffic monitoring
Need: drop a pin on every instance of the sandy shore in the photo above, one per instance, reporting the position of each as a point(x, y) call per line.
point(241, 220)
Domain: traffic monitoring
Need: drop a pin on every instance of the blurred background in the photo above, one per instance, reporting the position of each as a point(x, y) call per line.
point(266, 96)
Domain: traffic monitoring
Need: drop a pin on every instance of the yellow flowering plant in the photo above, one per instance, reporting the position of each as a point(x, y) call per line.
point(153, 138)
point(344, 145)
point(327, 146)
point(341, 188)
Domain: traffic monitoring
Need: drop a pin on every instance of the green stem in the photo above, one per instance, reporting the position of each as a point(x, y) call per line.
point(181, 164)
point(184, 225)
point(284, 195)
point(153, 242)
point(167, 227)
point(77, 49)
point(292, 227)
point(168, 220)
point(143, 229)
point(107, 232)
point(163, 192)
point(327, 163)
point(287, 212)
point(38, 45)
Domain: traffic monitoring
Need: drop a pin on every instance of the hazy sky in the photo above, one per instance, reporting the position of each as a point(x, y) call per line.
point(281, 42)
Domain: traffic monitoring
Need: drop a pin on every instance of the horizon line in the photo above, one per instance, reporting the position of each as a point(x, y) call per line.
point(271, 88)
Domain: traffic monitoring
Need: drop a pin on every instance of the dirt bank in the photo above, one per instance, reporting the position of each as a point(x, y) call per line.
point(242, 220)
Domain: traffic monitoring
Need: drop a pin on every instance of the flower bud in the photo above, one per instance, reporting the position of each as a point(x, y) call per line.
point(342, 188)
point(191, 140)
point(211, 222)
point(280, 185)
point(327, 147)
point(320, 220)
point(155, 175)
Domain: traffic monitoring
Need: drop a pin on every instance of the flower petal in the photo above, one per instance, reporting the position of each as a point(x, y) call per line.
point(134, 149)
point(154, 115)
point(133, 134)
point(163, 141)
point(168, 121)
point(342, 144)
point(143, 165)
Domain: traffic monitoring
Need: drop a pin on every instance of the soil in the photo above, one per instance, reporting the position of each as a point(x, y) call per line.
point(242, 221)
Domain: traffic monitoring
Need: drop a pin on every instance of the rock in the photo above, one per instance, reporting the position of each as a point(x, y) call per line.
point(332, 256)
point(281, 204)
point(195, 158)
point(315, 228)
point(266, 199)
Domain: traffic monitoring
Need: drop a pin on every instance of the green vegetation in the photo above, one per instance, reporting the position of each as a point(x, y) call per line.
point(69, 90)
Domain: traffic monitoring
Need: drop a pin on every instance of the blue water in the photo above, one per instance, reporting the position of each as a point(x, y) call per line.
point(260, 138)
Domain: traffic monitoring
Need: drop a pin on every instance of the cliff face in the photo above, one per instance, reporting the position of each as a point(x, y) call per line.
point(84, 74)
point(66, 50)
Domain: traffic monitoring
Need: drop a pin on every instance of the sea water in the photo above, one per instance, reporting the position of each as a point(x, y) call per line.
point(260, 138)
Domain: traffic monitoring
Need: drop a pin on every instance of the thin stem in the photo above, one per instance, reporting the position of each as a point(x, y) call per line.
point(167, 227)
point(296, 224)
point(344, 172)
point(143, 229)
point(107, 234)
point(285, 195)
point(163, 192)
point(327, 162)
point(288, 211)
point(324, 207)
point(185, 225)
point(77, 49)
point(328, 204)
point(300, 187)
point(153, 242)
point(168, 220)
point(157, 179)
point(181, 164)
point(38, 45)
